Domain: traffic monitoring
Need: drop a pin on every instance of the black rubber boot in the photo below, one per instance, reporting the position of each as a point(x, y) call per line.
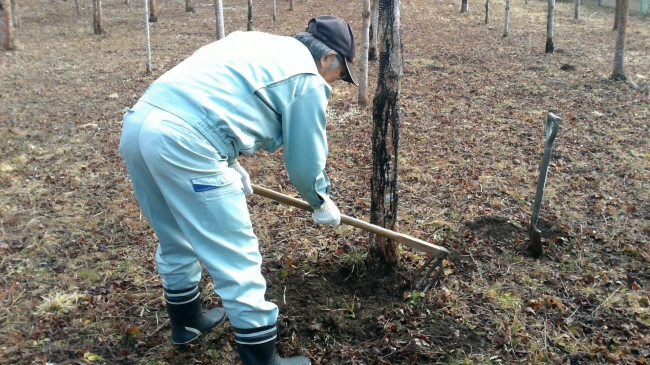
point(257, 347)
point(188, 322)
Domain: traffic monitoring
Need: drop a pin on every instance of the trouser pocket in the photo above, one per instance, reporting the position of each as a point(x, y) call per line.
point(222, 199)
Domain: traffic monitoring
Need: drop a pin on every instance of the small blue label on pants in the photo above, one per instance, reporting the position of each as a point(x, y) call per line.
point(199, 187)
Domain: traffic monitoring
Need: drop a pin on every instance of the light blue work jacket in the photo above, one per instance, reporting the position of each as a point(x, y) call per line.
point(254, 91)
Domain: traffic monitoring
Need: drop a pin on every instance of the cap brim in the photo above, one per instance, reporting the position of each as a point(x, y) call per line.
point(351, 78)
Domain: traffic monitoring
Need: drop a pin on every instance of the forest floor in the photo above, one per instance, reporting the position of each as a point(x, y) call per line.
point(79, 282)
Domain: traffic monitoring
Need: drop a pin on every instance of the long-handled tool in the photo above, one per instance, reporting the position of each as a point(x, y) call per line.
point(437, 252)
point(552, 127)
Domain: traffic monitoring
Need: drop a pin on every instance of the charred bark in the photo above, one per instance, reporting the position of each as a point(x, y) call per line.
point(98, 18)
point(189, 6)
point(385, 136)
point(549, 26)
point(153, 13)
point(619, 55)
point(249, 25)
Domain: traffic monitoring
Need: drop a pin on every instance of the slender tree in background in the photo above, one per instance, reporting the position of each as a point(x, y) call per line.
point(249, 25)
point(487, 11)
point(76, 4)
point(507, 20)
point(275, 10)
point(98, 18)
point(146, 34)
point(15, 17)
point(577, 10)
point(153, 13)
point(616, 14)
point(464, 8)
point(374, 19)
point(189, 6)
point(218, 12)
point(383, 253)
point(619, 54)
point(549, 26)
point(7, 41)
point(365, 45)
point(291, 5)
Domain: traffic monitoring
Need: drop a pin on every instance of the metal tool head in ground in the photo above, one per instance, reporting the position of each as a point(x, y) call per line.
point(535, 235)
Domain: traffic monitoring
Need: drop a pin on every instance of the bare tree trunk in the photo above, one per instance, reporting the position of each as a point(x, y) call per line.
point(365, 45)
point(7, 41)
point(275, 11)
point(619, 55)
point(146, 33)
point(577, 11)
point(383, 254)
point(126, 2)
point(189, 6)
point(76, 4)
point(487, 11)
point(374, 11)
point(218, 12)
point(291, 5)
point(463, 6)
point(98, 18)
point(249, 25)
point(549, 26)
point(153, 14)
point(15, 17)
point(616, 14)
point(507, 21)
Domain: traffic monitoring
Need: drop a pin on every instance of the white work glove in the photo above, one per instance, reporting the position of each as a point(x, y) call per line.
point(328, 213)
point(245, 178)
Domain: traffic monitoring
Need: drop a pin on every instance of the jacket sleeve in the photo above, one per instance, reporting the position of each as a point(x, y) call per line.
point(305, 144)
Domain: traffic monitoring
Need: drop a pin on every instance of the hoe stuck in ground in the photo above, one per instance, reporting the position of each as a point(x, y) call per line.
point(437, 253)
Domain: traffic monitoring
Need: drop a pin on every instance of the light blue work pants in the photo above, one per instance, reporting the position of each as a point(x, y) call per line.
point(197, 207)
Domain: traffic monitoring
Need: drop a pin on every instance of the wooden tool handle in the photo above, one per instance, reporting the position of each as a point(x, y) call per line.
point(397, 237)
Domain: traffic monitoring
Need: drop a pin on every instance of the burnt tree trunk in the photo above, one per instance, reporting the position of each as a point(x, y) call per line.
point(576, 14)
point(383, 253)
point(619, 54)
point(487, 11)
point(464, 8)
point(291, 5)
point(374, 19)
point(153, 13)
point(76, 4)
point(7, 41)
point(98, 18)
point(189, 6)
point(275, 11)
point(549, 26)
point(249, 25)
point(506, 25)
point(365, 45)
point(218, 13)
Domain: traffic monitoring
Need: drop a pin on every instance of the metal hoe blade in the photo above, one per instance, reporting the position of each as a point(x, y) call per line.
point(427, 278)
point(552, 127)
